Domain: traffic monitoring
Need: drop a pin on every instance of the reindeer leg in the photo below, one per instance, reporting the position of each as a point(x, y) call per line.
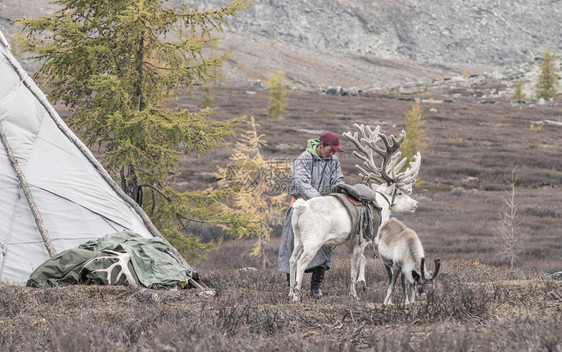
point(292, 277)
point(304, 259)
point(294, 263)
point(297, 252)
point(361, 275)
point(298, 280)
point(355, 268)
point(393, 277)
point(389, 273)
point(362, 261)
point(405, 289)
point(413, 292)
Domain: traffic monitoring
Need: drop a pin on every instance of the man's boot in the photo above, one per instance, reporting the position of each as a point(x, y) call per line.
point(316, 280)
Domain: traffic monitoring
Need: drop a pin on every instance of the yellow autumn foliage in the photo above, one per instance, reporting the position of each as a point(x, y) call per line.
point(254, 184)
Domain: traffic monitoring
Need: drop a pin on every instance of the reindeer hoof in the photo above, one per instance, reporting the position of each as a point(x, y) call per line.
point(294, 294)
point(362, 285)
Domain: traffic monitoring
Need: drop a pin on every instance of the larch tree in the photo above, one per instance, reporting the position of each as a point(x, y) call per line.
point(257, 186)
point(415, 133)
point(115, 63)
point(518, 90)
point(279, 94)
point(547, 82)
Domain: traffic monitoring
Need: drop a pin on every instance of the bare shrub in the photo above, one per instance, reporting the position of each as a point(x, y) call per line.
point(508, 234)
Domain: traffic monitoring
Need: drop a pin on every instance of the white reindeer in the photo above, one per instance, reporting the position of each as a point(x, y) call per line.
point(402, 254)
point(325, 221)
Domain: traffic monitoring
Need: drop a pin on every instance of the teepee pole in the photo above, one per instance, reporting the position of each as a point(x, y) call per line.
point(88, 154)
point(27, 192)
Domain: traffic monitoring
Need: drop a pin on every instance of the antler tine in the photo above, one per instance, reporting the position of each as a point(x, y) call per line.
point(406, 179)
point(389, 170)
point(366, 143)
point(396, 164)
point(436, 270)
point(393, 146)
point(390, 156)
point(422, 268)
point(122, 260)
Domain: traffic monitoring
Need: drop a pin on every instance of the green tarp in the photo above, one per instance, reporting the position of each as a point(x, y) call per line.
point(123, 258)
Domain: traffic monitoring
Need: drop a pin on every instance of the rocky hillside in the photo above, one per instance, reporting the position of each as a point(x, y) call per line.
point(423, 40)
point(375, 44)
point(477, 31)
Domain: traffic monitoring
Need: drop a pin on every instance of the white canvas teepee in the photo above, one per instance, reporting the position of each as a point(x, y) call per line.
point(54, 195)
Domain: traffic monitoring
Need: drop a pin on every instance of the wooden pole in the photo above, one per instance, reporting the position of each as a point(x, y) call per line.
point(28, 196)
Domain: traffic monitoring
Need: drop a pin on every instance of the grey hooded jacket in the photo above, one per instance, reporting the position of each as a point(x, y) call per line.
point(311, 177)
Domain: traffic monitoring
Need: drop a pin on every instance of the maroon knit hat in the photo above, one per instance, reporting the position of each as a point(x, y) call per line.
point(331, 138)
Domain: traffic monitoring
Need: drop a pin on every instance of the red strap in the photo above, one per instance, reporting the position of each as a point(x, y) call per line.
point(354, 201)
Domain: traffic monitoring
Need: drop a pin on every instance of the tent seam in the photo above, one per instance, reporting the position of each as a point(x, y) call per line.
point(12, 91)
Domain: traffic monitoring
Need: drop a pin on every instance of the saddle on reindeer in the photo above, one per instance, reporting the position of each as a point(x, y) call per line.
point(360, 202)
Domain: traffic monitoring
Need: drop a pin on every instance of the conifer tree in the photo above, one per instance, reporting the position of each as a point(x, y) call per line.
point(114, 63)
point(415, 133)
point(547, 83)
point(518, 90)
point(253, 181)
point(278, 94)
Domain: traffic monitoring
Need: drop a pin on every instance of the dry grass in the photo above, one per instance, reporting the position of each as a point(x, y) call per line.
point(480, 304)
point(477, 307)
point(474, 144)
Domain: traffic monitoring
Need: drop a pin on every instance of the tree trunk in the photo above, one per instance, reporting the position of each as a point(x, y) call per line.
point(132, 186)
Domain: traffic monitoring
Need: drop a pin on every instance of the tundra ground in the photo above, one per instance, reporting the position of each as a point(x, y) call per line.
point(474, 144)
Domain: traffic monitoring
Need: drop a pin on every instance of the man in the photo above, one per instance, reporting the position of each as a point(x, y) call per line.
point(314, 173)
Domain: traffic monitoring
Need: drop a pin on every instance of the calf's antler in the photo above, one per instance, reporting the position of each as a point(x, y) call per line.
point(435, 271)
point(366, 141)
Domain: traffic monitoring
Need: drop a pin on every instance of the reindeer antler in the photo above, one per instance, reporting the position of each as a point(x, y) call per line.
point(122, 260)
point(436, 270)
point(389, 170)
